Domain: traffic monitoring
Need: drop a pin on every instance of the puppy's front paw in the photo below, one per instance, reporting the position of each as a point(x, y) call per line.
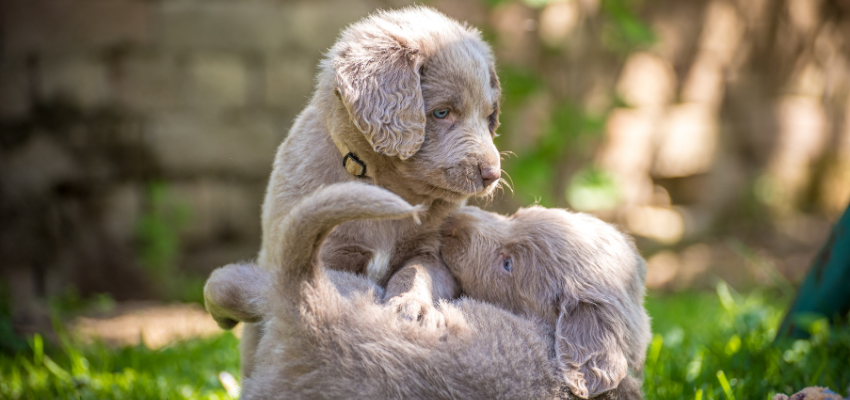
point(412, 309)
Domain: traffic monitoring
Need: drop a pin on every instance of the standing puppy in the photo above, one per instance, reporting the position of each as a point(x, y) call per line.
point(407, 100)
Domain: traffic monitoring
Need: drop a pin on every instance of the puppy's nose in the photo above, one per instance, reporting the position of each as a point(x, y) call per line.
point(490, 174)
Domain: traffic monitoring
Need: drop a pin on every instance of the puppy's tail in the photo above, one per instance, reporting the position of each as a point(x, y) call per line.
point(307, 225)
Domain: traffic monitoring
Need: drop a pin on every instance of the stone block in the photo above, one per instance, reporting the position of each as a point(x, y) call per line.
point(218, 210)
point(315, 25)
point(472, 11)
point(289, 81)
point(217, 80)
point(149, 82)
point(78, 79)
point(223, 25)
point(203, 260)
point(63, 25)
point(235, 144)
point(35, 168)
point(15, 96)
point(122, 209)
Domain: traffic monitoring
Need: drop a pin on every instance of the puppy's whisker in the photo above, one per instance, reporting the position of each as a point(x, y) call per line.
point(500, 190)
point(488, 199)
point(503, 181)
point(507, 153)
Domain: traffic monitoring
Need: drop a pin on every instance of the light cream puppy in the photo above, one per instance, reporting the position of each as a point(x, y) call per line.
point(328, 336)
point(407, 100)
point(580, 274)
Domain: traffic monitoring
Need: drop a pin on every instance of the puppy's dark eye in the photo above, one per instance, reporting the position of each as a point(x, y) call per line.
point(442, 113)
point(507, 264)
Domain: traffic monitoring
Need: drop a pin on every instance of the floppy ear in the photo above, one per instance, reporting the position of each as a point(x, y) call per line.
point(378, 83)
point(236, 293)
point(588, 348)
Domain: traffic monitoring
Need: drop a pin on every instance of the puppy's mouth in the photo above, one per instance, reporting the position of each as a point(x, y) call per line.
point(450, 194)
point(460, 192)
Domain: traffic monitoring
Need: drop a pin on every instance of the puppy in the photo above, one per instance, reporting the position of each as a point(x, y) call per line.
point(407, 100)
point(580, 275)
point(566, 313)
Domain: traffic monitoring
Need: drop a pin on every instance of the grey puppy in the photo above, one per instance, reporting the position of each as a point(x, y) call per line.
point(407, 100)
point(566, 316)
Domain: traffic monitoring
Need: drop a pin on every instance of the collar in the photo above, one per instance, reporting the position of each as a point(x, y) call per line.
point(353, 164)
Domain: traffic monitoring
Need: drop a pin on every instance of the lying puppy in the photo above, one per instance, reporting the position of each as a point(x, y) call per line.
point(582, 276)
point(407, 100)
point(573, 286)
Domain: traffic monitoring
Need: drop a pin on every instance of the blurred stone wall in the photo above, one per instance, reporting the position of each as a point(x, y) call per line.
point(125, 120)
point(137, 135)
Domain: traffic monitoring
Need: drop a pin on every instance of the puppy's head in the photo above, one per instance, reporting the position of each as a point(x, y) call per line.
point(576, 272)
point(423, 90)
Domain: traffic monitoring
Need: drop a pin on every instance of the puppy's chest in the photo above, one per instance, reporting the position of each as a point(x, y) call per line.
point(372, 261)
point(378, 265)
point(372, 250)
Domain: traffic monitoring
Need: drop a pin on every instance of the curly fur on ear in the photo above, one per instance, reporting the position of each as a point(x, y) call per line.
point(588, 349)
point(378, 81)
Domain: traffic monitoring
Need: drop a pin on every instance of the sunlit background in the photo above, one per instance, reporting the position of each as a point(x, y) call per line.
point(136, 138)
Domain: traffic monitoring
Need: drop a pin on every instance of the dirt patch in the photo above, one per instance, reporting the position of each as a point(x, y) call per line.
point(153, 324)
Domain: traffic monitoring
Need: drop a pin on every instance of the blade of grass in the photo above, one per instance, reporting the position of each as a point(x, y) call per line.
point(724, 383)
point(56, 369)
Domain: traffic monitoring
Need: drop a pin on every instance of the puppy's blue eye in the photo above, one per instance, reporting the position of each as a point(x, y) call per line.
point(507, 264)
point(440, 114)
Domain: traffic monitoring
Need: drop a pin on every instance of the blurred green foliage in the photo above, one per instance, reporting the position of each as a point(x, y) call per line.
point(158, 231)
point(159, 247)
point(565, 141)
point(624, 31)
point(69, 302)
point(565, 144)
point(593, 189)
point(9, 340)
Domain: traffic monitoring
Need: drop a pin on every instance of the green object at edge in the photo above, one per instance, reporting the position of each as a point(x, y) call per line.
point(826, 290)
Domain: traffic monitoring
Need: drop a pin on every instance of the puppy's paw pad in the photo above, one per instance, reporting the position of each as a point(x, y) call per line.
point(408, 310)
point(418, 311)
point(431, 318)
point(577, 384)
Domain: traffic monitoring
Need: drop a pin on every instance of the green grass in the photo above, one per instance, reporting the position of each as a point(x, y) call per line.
point(184, 370)
point(720, 346)
point(706, 346)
